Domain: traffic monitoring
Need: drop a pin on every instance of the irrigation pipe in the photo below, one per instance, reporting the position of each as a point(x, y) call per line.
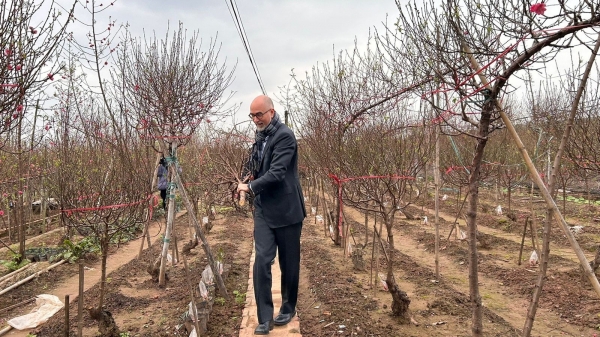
point(18, 304)
point(25, 280)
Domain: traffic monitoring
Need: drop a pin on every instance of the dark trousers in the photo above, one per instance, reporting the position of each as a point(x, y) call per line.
point(163, 195)
point(267, 241)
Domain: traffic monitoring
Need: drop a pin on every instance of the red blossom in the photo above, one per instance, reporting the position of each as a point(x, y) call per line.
point(18, 67)
point(9, 67)
point(538, 8)
point(51, 76)
point(19, 108)
point(7, 52)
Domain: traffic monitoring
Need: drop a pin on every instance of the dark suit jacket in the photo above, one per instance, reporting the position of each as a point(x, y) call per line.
point(278, 195)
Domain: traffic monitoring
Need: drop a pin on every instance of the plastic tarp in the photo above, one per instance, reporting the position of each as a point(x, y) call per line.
point(45, 307)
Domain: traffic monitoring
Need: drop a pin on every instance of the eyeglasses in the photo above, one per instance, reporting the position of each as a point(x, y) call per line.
point(258, 114)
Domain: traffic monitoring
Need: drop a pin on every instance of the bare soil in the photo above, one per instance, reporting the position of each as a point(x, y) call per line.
point(337, 300)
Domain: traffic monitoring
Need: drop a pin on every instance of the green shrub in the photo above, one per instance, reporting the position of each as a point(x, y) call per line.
point(14, 264)
point(74, 251)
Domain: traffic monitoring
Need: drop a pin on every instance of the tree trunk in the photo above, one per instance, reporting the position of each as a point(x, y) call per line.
point(400, 300)
point(104, 240)
point(436, 179)
point(474, 297)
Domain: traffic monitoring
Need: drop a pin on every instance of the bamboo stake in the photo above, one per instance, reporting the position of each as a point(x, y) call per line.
point(5, 330)
point(9, 276)
point(535, 176)
point(25, 280)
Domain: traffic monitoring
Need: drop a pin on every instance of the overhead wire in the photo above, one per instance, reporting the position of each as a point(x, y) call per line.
point(237, 20)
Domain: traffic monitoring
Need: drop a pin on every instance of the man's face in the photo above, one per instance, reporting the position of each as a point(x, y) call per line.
point(262, 118)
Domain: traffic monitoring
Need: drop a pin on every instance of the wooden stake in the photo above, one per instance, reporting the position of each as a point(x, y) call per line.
point(523, 241)
point(67, 315)
point(145, 234)
point(372, 259)
point(455, 224)
point(176, 250)
point(191, 288)
point(366, 228)
point(80, 302)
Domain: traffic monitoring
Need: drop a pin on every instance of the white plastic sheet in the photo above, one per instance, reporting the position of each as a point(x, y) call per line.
point(45, 307)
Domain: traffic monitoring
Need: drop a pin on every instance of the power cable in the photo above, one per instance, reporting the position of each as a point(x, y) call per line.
point(237, 20)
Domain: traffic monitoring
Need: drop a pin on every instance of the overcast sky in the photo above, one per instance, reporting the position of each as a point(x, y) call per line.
point(283, 34)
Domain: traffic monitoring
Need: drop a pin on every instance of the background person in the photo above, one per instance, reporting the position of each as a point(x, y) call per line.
point(162, 183)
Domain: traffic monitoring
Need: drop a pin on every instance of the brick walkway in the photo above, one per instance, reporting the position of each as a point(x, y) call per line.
point(250, 321)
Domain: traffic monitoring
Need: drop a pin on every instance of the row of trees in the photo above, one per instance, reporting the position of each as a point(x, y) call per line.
point(479, 75)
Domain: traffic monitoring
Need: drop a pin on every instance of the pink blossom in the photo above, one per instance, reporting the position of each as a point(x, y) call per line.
point(51, 76)
point(7, 52)
point(20, 192)
point(18, 67)
point(9, 67)
point(47, 127)
point(19, 108)
point(538, 8)
point(136, 88)
point(4, 195)
point(1, 212)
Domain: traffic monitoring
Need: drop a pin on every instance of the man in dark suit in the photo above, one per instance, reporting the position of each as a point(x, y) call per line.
point(278, 212)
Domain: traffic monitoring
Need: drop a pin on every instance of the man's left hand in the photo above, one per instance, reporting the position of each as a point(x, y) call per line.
point(243, 188)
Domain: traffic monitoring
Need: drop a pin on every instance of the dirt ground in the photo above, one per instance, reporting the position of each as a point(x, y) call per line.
point(337, 300)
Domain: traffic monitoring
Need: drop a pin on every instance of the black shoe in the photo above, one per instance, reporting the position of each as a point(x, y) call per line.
point(264, 328)
point(283, 319)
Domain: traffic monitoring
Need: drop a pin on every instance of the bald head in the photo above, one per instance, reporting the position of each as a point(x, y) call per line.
point(261, 103)
point(263, 111)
